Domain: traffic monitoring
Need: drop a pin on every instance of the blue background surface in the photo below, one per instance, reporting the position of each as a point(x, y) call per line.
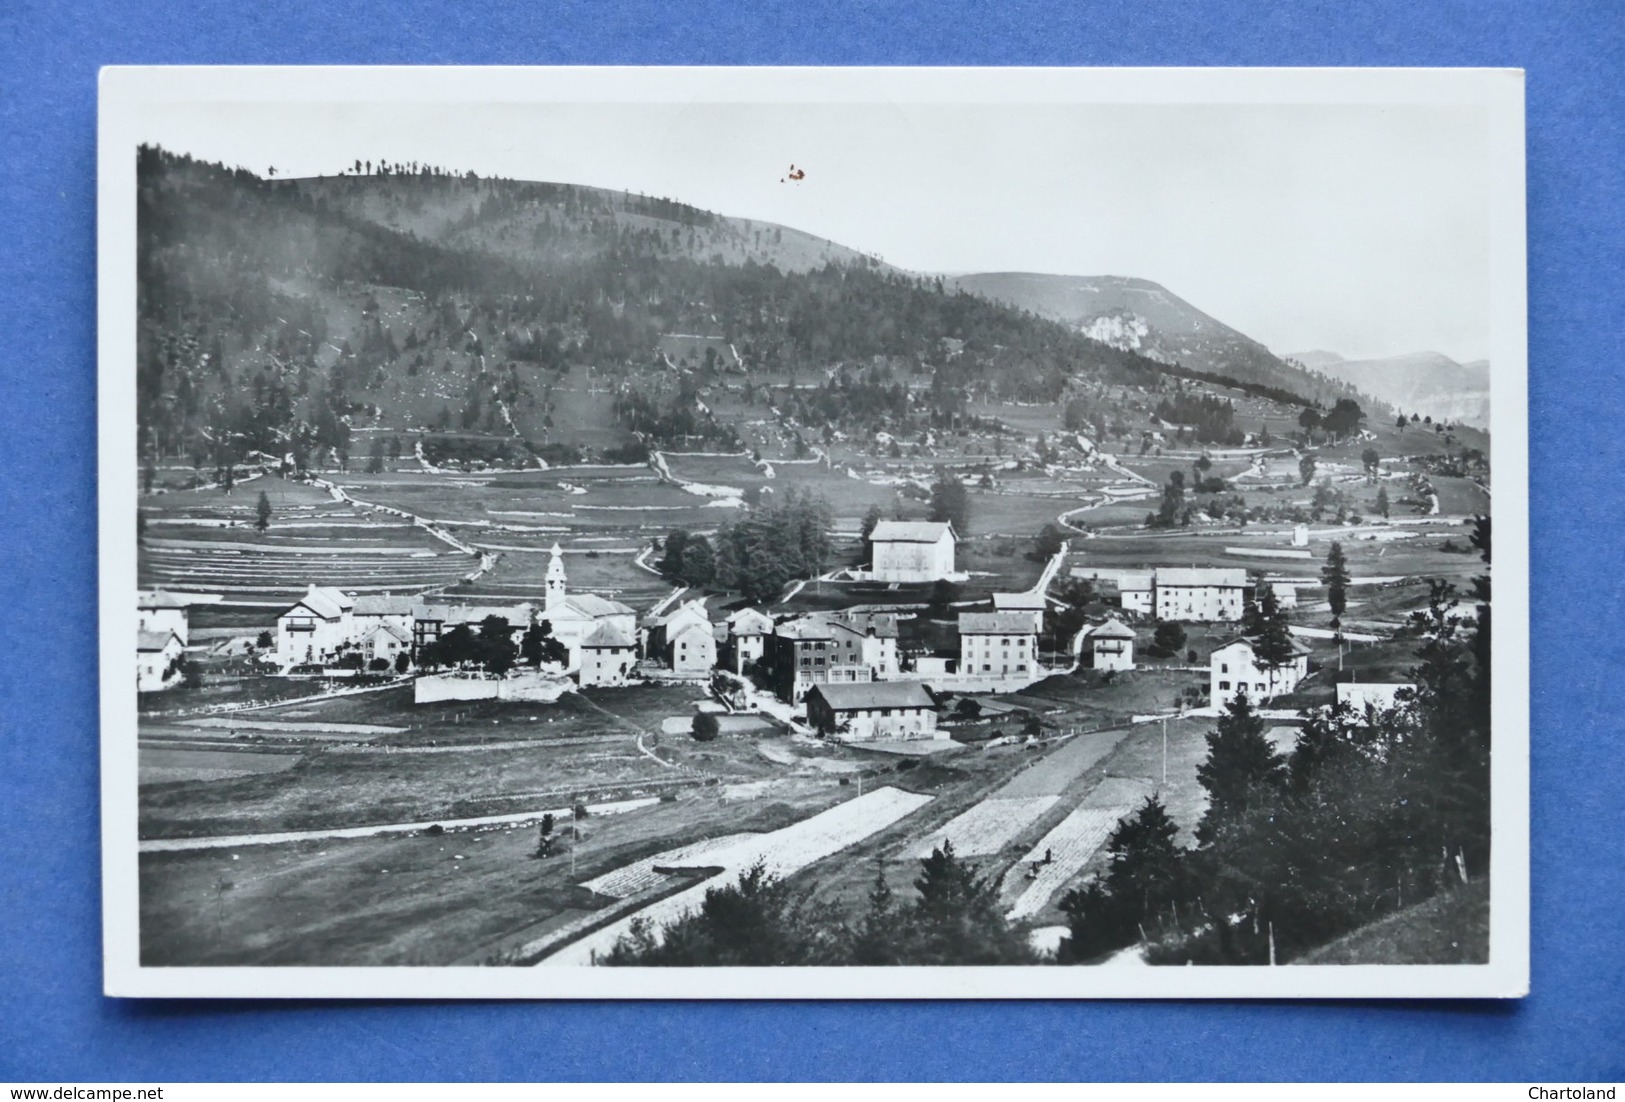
point(54, 1024)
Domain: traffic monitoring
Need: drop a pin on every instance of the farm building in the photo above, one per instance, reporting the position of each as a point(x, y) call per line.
point(830, 648)
point(912, 551)
point(746, 639)
point(1030, 603)
point(878, 710)
point(1111, 646)
point(1205, 595)
point(607, 656)
point(997, 643)
point(160, 610)
point(157, 654)
point(682, 640)
point(1234, 669)
point(1372, 696)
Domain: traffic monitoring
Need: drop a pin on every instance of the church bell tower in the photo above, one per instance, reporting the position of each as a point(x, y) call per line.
point(555, 578)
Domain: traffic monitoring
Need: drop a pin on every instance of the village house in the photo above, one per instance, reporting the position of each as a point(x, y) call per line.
point(1234, 669)
point(876, 710)
point(912, 551)
point(1031, 603)
point(607, 656)
point(746, 639)
point(157, 660)
point(997, 644)
point(1366, 698)
point(1111, 646)
point(1200, 594)
point(160, 610)
point(682, 640)
point(1134, 593)
point(386, 642)
point(826, 648)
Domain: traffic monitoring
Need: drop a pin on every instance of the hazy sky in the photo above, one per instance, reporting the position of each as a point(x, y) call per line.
point(1358, 229)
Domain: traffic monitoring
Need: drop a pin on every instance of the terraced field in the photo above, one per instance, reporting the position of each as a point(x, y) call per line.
point(780, 852)
point(987, 827)
point(640, 876)
point(206, 541)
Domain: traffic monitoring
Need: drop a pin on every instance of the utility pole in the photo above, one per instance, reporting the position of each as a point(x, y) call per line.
point(1165, 751)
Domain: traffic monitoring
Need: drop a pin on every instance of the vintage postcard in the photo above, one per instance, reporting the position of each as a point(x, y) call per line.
point(832, 533)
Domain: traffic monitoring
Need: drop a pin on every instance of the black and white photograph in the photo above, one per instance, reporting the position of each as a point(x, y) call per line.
point(766, 533)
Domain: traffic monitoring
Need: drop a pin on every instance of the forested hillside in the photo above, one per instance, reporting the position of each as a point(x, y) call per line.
point(534, 319)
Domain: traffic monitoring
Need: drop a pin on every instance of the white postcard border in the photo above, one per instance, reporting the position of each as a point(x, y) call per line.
point(126, 91)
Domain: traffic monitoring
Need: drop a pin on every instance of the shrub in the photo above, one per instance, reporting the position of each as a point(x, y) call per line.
point(705, 727)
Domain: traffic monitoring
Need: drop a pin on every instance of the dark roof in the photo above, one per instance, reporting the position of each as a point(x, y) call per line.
point(875, 694)
point(995, 623)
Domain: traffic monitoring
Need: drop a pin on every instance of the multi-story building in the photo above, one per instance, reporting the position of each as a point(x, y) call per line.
point(1234, 669)
point(746, 642)
point(997, 644)
point(683, 639)
point(159, 610)
point(607, 656)
point(1200, 594)
point(830, 648)
point(912, 551)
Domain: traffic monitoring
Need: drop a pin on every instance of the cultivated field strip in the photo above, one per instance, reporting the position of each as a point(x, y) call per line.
point(987, 827)
point(781, 852)
point(641, 875)
point(1070, 846)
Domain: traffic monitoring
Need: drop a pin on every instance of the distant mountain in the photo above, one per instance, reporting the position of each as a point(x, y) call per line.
point(1428, 383)
point(1144, 317)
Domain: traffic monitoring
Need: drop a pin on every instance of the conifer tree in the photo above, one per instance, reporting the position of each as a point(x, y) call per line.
point(1242, 768)
point(1335, 575)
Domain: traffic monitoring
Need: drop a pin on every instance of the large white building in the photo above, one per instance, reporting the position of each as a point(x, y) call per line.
point(912, 551)
point(314, 630)
point(1201, 594)
point(873, 710)
point(997, 644)
point(1234, 669)
point(1032, 603)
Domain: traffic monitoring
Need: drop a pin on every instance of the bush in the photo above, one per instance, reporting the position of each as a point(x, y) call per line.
point(379, 665)
point(705, 727)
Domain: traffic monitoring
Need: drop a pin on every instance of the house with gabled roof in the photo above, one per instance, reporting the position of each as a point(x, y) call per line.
point(873, 710)
point(1111, 645)
point(157, 660)
point(746, 638)
point(1234, 668)
point(160, 610)
point(912, 550)
point(1032, 602)
point(608, 656)
point(683, 639)
point(315, 627)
